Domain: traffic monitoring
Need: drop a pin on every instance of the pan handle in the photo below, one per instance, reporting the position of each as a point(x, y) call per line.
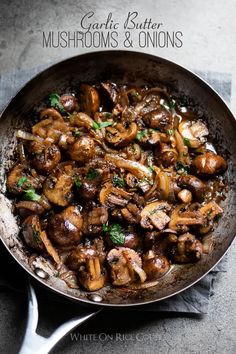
point(33, 342)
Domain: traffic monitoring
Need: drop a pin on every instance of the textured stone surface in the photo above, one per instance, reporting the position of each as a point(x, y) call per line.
point(209, 44)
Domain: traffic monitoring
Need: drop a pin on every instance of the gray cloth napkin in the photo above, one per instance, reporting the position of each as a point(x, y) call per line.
point(194, 300)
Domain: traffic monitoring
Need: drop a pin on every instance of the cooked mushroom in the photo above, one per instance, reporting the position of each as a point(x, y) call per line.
point(181, 219)
point(44, 157)
point(110, 195)
point(185, 196)
point(65, 228)
point(69, 103)
point(92, 276)
point(193, 132)
point(187, 249)
point(131, 213)
point(58, 185)
point(209, 164)
point(121, 136)
point(51, 129)
point(89, 99)
point(82, 150)
point(125, 265)
point(160, 119)
point(31, 230)
point(155, 215)
point(22, 178)
point(194, 184)
point(51, 113)
point(94, 219)
point(27, 207)
point(155, 266)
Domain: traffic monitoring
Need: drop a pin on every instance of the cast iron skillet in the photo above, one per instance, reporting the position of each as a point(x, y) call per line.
point(133, 68)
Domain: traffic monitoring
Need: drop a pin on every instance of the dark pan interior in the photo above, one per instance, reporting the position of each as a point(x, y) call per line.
point(140, 69)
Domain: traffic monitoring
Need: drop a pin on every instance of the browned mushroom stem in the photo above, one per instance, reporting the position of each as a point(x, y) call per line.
point(155, 266)
point(58, 185)
point(131, 213)
point(51, 113)
point(44, 157)
point(69, 103)
point(209, 164)
point(194, 184)
point(112, 196)
point(125, 266)
point(89, 99)
point(82, 150)
point(121, 136)
point(65, 228)
point(181, 219)
point(94, 219)
point(91, 275)
point(155, 215)
point(187, 249)
point(31, 231)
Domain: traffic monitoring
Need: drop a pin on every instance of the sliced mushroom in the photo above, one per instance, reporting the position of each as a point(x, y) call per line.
point(131, 213)
point(125, 266)
point(27, 207)
point(94, 219)
point(209, 164)
point(155, 215)
point(121, 136)
point(187, 249)
point(89, 99)
point(51, 113)
point(31, 230)
point(50, 129)
point(21, 178)
point(194, 132)
point(194, 184)
point(181, 219)
point(65, 228)
point(92, 276)
point(155, 266)
point(211, 210)
point(112, 196)
point(82, 150)
point(58, 185)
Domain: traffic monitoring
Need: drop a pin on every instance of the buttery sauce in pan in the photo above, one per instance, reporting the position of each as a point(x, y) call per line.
point(115, 184)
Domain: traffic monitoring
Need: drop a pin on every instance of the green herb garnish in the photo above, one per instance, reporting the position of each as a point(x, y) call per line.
point(141, 134)
point(101, 125)
point(54, 100)
point(78, 183)
point(181, 168)
point(30, 194)
point(151, 168)
point(92, 174)
point(170, 132)
point(118, 182)
point(36, 235)
point(76, 133)
point(187, 142)
point(115, 232)
point(171, 104)
point(21, 181)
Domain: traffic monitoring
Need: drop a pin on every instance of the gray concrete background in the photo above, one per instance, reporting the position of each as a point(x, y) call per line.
point(209, 29)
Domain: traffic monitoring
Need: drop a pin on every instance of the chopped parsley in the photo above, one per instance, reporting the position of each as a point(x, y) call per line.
point(151, 168)
point(76, 133)
point(141, 134)
point(92, 174)
point(115, 232)
point(78, 183)
point(101, 125)
point(181, 168)
point(36, 235)
point(170, 132)
point(30, 194)
point(54, 100)
point(118, 181)
point(187, 142)
point(21, 181)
